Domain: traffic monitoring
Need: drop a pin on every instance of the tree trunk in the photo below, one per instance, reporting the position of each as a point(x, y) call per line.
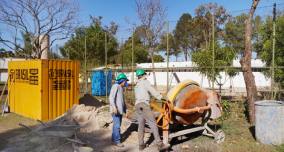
point(209, 82)
point(185, 54)
point(153, 67)
point(246, 65)
point(206, 42)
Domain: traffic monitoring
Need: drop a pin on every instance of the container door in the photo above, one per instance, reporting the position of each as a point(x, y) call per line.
point(24, 88)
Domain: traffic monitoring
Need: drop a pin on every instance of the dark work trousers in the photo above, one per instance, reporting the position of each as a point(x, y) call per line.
point(145, 114)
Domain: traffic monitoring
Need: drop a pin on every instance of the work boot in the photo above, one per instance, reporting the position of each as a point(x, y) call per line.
point(142, 147)
point(162, 146)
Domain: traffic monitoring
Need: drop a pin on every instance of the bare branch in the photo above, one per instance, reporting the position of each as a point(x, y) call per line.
point(38, 18)
point(152, 17)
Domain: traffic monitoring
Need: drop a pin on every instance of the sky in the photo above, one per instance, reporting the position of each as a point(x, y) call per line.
point(123, 12)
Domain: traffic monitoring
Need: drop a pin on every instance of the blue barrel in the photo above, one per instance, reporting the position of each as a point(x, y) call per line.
point(269, 122)
point(99, 82)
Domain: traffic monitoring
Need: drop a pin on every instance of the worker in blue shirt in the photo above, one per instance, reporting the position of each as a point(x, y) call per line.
point(117, 107)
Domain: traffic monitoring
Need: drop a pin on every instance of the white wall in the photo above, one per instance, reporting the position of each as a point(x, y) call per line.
point(4, 65)
point(236, 82)
point(236, 63)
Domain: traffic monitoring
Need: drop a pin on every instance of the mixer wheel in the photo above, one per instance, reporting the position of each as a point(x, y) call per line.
point(219, 136)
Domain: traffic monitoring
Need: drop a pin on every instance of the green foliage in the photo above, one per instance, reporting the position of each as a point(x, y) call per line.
point(184, 33)
point(264, 46)
point(226, 106)
point(158, 58)
point(172, 44)
point(229, 39)
point(6, 54)
point(195, 33)
point(223, 58)
point(140, 53)
point(279, 148)
point(235, 30)
point(95, 40)
point(53, 55)
point(203, 24)
point(28, 50)
point(219, 12)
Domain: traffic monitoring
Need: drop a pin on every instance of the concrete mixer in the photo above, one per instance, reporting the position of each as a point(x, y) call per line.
point(186, 104)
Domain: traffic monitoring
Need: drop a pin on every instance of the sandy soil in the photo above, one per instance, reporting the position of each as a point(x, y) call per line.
point(239, 137)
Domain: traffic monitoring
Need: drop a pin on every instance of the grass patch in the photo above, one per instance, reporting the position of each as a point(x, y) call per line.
point(239, 133)
point(279, 148)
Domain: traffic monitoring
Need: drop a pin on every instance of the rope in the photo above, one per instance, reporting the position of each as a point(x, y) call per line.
point(168, 108)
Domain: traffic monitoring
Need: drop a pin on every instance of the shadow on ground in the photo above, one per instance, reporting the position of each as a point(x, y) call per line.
point(18, 139)
point(252, 131)
point(188, 142)
point(6, 136)
point(21, 140)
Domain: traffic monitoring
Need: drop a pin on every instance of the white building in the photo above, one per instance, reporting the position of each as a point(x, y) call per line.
point(4, 67)
point(236, 83)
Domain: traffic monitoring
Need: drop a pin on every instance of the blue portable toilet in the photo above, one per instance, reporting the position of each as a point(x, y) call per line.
point(99, 82)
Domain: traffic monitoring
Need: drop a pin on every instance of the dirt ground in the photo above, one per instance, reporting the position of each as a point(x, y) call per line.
point(239, 137)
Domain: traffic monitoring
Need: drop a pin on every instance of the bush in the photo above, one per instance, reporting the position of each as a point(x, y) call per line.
point(226, 109)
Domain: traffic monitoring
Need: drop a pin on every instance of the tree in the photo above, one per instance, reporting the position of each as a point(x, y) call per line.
point(234, 32)
point(203, 41)
point(264, 47)
point(235, 29)
point(94, 35)
point(172, 42)
point(141, 55)
point(52, 54)
point(158, 58)
point(27, 50)
point(36, 19)
point(6, 54)
point(184, 34)
point(223, 59)
point(140, 52)
point(246, 64)
point(152, 17)
point(203, 24)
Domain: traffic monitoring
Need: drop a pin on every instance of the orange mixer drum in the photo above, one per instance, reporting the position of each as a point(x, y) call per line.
point(190, 97)
point(187, 95)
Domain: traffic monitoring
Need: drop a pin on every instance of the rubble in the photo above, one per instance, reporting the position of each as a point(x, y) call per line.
point(62, 134)
point(87, 117)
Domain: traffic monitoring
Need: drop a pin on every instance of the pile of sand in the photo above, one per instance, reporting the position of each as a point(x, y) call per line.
point(89, 118)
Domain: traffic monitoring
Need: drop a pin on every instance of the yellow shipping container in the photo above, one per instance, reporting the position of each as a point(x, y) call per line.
point(43, 89)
